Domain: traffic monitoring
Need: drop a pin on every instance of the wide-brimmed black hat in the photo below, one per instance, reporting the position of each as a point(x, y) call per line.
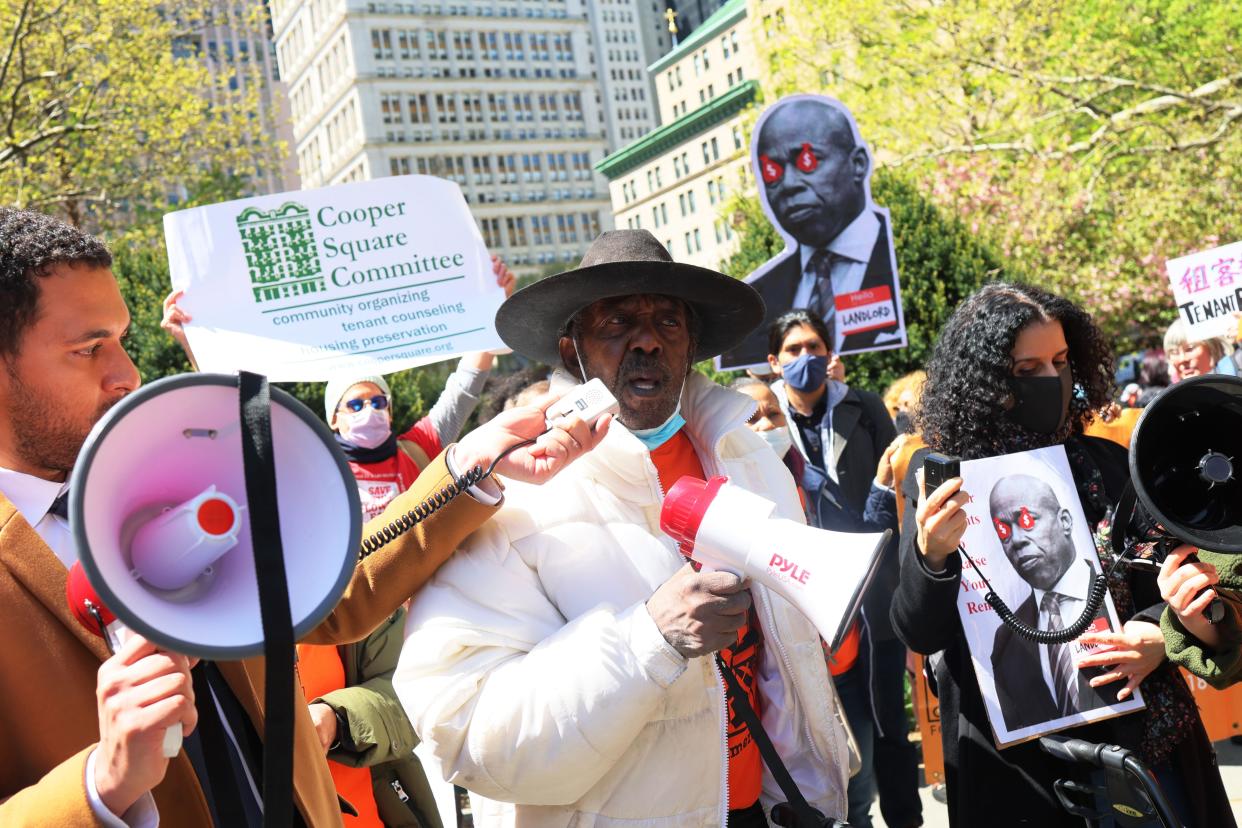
point(625, 263)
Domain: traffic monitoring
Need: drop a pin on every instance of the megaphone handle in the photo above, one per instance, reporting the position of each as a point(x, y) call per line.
point(172, 741)
point(115, 635)
point(1214, 613)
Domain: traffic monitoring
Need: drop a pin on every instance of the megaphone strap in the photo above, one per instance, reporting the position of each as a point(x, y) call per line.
point(259, 466)
point(803, 813)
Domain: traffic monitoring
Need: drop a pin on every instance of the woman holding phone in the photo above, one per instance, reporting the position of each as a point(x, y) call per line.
point(1018, 368)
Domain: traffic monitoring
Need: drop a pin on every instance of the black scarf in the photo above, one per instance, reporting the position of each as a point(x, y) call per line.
point(358, 454)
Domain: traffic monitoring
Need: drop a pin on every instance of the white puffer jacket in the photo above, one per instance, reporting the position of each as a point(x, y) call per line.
point(534, 674)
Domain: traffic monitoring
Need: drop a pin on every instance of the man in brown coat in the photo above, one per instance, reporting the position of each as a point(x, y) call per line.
point(81, 730)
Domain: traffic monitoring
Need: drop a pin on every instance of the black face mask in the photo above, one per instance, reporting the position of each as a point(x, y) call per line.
point(1041, 404)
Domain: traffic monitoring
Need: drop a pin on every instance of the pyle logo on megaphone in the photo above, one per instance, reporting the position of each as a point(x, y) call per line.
point(786, 570)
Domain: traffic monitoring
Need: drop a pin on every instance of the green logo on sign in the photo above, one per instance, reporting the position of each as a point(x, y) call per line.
point(280, 252)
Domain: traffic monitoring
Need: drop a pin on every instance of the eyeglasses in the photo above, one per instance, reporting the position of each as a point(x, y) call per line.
point(379, 402)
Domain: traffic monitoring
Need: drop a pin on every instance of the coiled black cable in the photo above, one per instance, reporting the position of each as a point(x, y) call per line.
point(1095, 599)
point(434, 503)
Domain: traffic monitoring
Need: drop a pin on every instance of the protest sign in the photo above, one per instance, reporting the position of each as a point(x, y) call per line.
point(364, 278)
point(1207, 289)
point(815, 174)
point(1027, 534)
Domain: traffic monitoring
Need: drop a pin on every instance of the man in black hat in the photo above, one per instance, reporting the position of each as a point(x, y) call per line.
point(561, 666)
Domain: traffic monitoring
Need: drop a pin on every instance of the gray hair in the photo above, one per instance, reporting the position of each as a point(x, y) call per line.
point(1176, 339)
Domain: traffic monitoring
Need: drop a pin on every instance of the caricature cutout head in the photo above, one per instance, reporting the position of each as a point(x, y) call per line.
point(813, 172)
point(813, 167)
point(1035, 531)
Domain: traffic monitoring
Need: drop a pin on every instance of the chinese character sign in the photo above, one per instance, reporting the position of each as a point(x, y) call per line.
point(363, 278)
point(1207, 289)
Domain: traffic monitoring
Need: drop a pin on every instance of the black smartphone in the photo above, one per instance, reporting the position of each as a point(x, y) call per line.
point(937, 468)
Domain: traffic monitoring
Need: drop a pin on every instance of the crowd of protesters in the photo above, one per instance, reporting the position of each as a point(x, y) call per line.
point(555, 654)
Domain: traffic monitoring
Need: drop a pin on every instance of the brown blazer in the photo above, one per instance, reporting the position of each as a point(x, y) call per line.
point(48, 666)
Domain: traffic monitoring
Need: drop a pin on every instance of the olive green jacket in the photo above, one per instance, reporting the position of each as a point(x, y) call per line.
point(1222, 666)
point(379, 736)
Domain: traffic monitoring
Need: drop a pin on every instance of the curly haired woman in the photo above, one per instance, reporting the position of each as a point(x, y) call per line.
point(1018, 368)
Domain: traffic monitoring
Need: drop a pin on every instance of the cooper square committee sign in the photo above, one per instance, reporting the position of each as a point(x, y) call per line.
point(363, 278)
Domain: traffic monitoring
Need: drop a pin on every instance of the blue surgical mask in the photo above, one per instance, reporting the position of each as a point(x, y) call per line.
point(806, 373)
point(653, 438)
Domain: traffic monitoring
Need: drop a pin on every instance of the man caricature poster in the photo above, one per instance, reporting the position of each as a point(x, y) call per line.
point(1027, 533)
point(813, 172)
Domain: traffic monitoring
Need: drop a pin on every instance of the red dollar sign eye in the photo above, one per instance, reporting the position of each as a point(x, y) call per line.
point(1002, 529)
point(770, 170)
point(807, 162)
point(1026, 520)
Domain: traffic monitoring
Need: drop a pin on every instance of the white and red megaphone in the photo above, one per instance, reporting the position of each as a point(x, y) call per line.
point(91, 613)
point(824, 574)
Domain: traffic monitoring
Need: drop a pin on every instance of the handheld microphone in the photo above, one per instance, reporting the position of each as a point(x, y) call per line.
point(91, 613)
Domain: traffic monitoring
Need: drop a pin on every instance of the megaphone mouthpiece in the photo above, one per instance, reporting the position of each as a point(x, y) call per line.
point(173, 549)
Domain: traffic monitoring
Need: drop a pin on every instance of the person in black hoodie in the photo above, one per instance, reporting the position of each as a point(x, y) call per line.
point(1018, 368)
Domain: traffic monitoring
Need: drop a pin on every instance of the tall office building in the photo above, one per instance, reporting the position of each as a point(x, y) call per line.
point(515, 100)
point(238, 44)
point(676, 180)
point(691, 14)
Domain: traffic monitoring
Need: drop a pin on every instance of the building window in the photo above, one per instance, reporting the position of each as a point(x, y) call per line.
point(715, 150)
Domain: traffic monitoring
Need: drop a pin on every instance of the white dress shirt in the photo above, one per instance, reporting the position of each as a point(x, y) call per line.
point(1073, 588)
point(33, 496)
point(852, 247)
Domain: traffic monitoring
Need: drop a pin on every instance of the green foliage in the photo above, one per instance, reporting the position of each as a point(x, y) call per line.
point(110, 106)
point(142, 273)
point(940, 262)
point(1091, 140)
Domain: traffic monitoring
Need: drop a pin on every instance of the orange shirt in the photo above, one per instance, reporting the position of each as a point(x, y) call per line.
point(674, 460)
point(321, 671)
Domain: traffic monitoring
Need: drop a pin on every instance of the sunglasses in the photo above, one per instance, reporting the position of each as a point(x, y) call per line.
point(379, 402)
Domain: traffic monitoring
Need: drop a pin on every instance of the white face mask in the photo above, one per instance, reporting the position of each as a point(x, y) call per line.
point(368, 428)
point(779, 439)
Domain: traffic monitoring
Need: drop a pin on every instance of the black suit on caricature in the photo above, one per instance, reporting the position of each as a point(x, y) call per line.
point(1025, 698)
point(779, 286)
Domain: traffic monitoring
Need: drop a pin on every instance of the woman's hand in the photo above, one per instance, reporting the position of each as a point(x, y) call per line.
point(504, 276)
point(884, 472)
point(1136, 651)
point(1180, 583)
point(174, 323)
point(324, 718)
point(941, 520)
